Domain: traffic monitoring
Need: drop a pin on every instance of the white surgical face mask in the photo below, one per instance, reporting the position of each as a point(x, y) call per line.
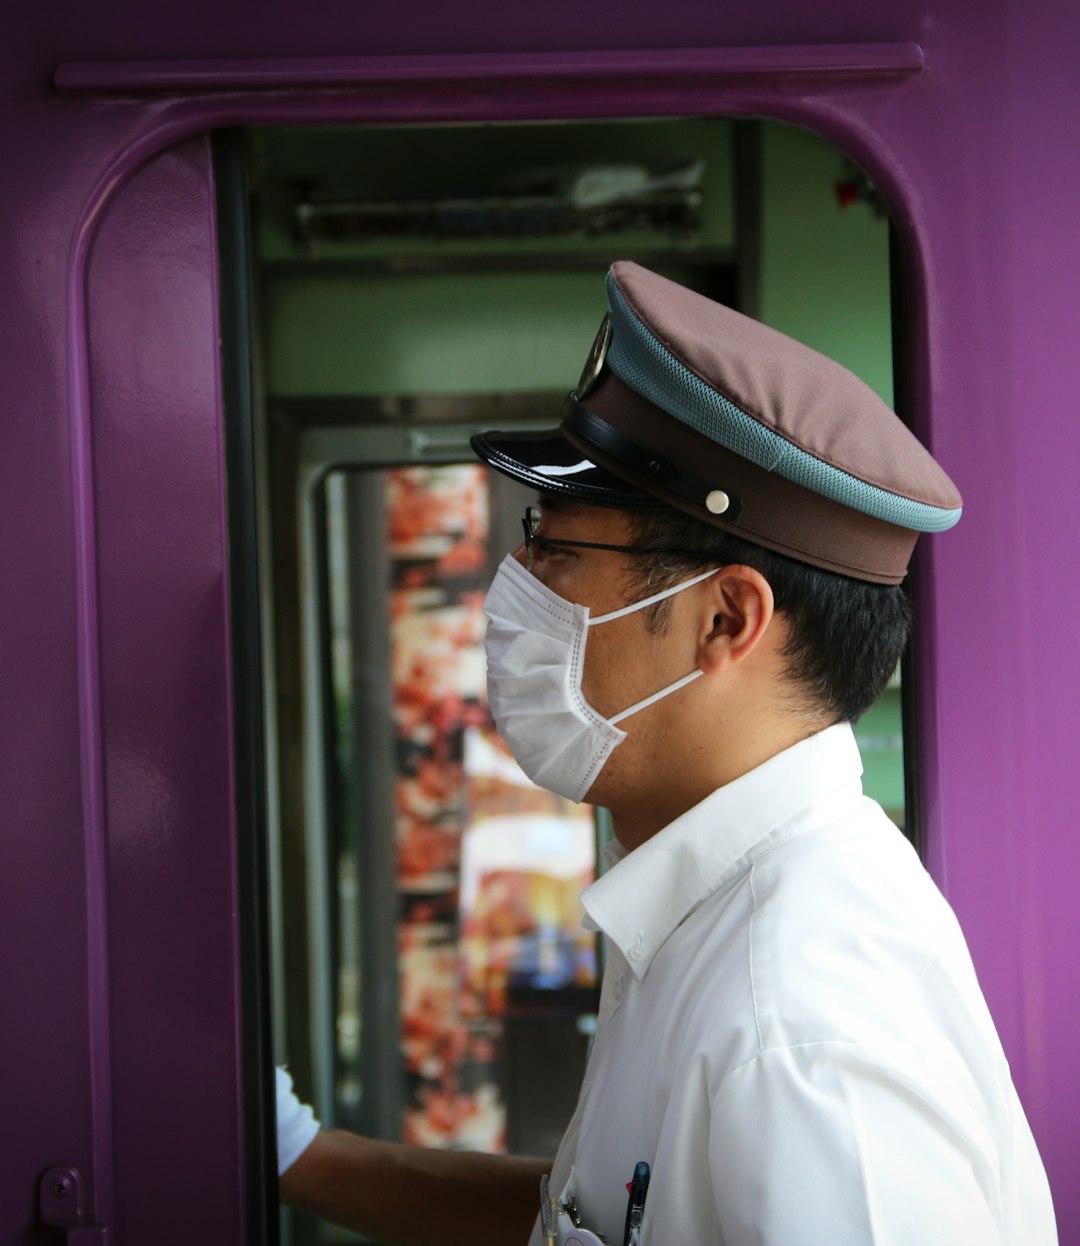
point(535, 647)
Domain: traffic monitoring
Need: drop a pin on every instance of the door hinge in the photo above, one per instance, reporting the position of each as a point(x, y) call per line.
point(60, 1206)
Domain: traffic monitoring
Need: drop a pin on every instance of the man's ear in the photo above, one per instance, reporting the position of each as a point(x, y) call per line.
point(735, 618)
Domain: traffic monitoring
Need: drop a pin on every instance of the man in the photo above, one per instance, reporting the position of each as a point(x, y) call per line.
point(791, 1034)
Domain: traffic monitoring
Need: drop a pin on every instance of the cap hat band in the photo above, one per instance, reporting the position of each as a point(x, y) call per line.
point(639, 359)
point(772, 511)
point(653, 467)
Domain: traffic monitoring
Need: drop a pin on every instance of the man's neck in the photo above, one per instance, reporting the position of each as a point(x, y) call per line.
point(694, 774)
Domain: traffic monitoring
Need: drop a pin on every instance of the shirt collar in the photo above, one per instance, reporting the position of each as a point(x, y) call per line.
point(647, 893)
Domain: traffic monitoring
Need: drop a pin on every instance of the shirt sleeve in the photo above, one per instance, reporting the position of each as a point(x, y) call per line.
point(296, 1123)
point(830, 1143)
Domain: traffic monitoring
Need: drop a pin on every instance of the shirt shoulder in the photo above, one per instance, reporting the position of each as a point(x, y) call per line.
point(856, 1131)
point(848, 935)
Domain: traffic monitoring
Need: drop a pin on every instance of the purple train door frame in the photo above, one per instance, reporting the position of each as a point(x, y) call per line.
point(121, 881)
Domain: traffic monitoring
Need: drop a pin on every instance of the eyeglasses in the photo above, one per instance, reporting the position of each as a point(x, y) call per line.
point(530, 521)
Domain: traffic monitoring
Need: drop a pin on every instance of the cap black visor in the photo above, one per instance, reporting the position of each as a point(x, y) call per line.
point(550, 464)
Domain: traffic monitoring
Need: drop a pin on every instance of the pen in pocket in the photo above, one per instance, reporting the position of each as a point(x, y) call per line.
point(638, 1188)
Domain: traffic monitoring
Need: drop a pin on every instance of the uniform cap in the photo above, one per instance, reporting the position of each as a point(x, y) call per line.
point(688, 404)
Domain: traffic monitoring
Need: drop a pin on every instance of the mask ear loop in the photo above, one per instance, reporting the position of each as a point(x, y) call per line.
point(651, 601)
point(657, 696)
point(641, 605)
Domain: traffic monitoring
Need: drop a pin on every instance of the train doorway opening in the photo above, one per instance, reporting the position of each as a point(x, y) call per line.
point(408, 286)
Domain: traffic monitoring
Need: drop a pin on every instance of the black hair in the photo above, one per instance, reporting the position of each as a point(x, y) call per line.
point(845, 636)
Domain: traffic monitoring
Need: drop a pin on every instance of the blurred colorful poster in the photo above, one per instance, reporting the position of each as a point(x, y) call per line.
point(489, 867)
point(527, 855)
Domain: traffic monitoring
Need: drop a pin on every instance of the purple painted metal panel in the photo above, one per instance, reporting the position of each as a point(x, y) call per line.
point(862, 60)
point(43, 970)
point(165, 696)
point(1004, 317)
point(971, 153)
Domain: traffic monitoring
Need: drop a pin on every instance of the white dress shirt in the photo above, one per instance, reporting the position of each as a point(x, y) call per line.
point(792, 1035)
point(296, 1123)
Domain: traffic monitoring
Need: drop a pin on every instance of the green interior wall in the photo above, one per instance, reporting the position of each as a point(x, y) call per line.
point(381, 318)
point(430, 333)
point(451, 316)
point(824, 268)
point(825, 281)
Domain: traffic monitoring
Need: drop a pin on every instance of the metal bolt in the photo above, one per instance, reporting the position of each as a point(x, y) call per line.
point(61, 1188)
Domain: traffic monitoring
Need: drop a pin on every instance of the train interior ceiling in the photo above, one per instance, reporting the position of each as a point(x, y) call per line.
point(412, 285)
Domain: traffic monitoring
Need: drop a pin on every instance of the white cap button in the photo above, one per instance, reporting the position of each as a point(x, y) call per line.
point(637, 952)
point(717, 502)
